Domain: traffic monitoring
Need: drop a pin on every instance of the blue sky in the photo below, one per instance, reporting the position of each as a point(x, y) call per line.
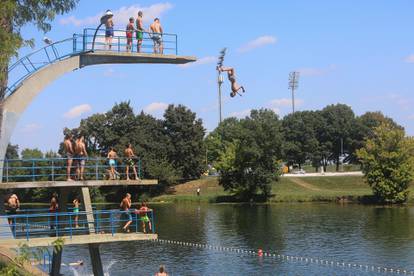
point(359, 53)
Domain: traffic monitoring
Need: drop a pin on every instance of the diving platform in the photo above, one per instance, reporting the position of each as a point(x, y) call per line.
point(78, 239)
point(111, 57)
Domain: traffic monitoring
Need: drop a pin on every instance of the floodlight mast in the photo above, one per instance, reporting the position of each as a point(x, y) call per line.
point(220, 79)
point(293, 85)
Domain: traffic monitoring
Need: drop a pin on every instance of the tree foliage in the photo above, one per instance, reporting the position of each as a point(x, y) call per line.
point(388, 163)
point(249, 162)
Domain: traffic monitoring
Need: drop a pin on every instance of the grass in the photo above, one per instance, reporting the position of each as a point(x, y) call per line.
point(295, 189)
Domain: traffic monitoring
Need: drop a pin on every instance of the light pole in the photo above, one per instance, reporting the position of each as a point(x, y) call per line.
point(104, 18)
point(293, 85)
point(220, 79)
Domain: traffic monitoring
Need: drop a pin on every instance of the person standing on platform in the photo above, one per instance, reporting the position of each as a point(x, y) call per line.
point(81, 155)
point(12, 205)
point(143, 213)
point(129, 34)
point(156, 35)
point(112, 156)
point(53, 209)
point(125, 205)
point(130, 162)
point(139, 31)
point(109, 30)
point(69, 152)
point(76, 205)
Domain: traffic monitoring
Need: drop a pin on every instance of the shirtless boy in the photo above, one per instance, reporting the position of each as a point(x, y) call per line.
point(156, 30)
point(140, 30)
point(125, 205)
point(67, 144)
point(130, 162)
point(109, 30)
point(112, 156)
point(13, 204)
point(81, 155)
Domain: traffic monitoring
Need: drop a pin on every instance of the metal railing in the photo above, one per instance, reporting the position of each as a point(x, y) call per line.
point(59, 224)
point(55, 169)
point(120, 42)
point(78, 44)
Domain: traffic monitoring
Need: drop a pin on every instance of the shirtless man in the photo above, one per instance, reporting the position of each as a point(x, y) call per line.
point(109, 30)
point(162, 271)
point(53, 208)
point(130, 162)
point(235, 87)
point(112, 156)
point(12, 205)
point(143, 213)
point(125, 205)
point(69, 154)
point(156, 35)
point(81, 155)
point(140, 29)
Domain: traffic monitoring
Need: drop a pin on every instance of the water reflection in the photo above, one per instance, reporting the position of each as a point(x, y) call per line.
point(351, 233)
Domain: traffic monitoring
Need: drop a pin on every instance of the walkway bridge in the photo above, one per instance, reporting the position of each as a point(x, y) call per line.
point(39, 227)
point(29, 75)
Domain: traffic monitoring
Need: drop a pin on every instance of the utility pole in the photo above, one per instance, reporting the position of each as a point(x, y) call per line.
point(220, 82)
point(293, 85)
point(220, 79)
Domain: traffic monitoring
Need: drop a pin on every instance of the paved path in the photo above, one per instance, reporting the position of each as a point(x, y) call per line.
point(304, 184)
point(358, 173)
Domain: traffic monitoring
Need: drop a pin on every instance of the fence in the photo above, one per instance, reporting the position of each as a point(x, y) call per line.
point(55, 169)
point(69, 224)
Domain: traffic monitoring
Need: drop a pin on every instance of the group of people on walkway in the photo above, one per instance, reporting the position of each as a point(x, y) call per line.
point(125, 207)
point(77, 155)
point(136, 26)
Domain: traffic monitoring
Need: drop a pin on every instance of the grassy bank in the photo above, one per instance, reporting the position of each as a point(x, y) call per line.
point(292, 189)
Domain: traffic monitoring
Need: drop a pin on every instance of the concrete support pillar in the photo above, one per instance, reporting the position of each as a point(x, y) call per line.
point(56, 261)
point(96, 259)
point(87, 202)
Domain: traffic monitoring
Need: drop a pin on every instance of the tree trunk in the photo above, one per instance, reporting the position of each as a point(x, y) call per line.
point(337, 163)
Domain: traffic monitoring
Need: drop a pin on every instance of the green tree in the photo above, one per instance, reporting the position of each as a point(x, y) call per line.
point(388, 163)
point(249, 164)
point(185, 141)
point(300, 141)
point(336, 128)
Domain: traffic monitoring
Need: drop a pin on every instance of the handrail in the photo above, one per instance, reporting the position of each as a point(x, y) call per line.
point(58, 224)
point(79, 44)
point(55, 169)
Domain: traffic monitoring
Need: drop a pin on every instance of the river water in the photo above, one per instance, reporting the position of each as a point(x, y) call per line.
point(367, 235)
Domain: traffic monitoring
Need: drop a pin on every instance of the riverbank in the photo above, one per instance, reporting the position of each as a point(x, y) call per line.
point(348, 188)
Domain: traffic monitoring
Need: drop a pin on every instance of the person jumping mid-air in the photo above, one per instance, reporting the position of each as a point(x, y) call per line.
point(235, 87)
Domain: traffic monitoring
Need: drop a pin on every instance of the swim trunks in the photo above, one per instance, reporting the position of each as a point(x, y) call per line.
point(109, 32)
point(126, 216)
point(139, 35)
point(69, 155)
point(76, 210)
point(145, 218)
point(112, 162)
point(129, 162)
point(157, 39)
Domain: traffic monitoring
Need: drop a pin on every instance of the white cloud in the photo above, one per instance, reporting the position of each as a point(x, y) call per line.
point(258, 42)
point(77, 111)
point(121, 15)
point(155, 107)
point(240, 114)
point(409, 59)
point(30, 128)
point(312, 71)
point(277, 104)
point(200, 61)
point(411, 117)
